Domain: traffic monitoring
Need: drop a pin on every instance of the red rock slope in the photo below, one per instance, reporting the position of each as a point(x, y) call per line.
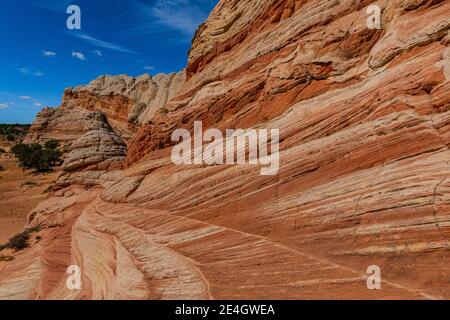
point(364, 118)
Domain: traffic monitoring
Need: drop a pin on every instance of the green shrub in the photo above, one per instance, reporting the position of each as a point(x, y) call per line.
point(34, 156)
point(29, 184)
point(10, 137)
point(51, 144)
point(14, 129)
point(6, 259)
point(20, 241)
point(49, 189)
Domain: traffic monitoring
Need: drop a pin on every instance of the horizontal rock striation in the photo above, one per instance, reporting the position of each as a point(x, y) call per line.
point(126, 101)
point(100, 148)
point(364, 179)
point(96, 157)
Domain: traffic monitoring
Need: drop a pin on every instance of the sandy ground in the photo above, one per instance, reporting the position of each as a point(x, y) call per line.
point(20, 192)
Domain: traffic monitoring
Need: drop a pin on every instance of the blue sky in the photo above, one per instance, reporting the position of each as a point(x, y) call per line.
point(40, 56)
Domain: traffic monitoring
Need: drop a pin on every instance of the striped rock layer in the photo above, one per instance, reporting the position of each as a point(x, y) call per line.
point(364, 179)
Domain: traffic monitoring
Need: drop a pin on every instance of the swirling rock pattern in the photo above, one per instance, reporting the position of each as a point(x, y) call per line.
point(364, 119)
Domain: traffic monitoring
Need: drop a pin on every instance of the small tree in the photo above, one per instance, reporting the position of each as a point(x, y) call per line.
point(19, 241)
point(53, 153)
point(51, 144)
point(34, 156)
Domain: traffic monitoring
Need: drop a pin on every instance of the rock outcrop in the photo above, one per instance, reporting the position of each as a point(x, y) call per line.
point(64, 125)
point(96, 157)
point(99, 149)
point(126, 101)
point(364, 179)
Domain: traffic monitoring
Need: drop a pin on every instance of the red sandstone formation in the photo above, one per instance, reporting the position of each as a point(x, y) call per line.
point(364, 118)
point(127, 102)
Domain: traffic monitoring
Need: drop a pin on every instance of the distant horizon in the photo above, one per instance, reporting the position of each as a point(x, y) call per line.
point(44, 57)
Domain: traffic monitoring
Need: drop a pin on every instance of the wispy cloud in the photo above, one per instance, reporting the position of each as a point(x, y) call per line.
point(4, 106)
point(24, 71)
point(54, 5)
point(149, 68)
point(102, 44)
point(20, 100)
point(172, 21)
point(78, 55)
point(97, 53)
point(30, 72)
point(181, 15)
point(49, 54)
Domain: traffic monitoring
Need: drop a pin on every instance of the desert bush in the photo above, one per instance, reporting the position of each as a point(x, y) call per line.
point(14, 129)
point(49, 189)
point(20, 241)
point(164, 110)
point(2, 151)
point(6, 258)
point(51, 144)
point(35, 156)
point(29, 184)
point(10, 137)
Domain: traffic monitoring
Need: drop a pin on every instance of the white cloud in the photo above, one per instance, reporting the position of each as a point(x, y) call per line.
point(78, 55)
point(49, 54)
point(170, 22)
point(178, 15)
point(38, 104)
point(30, 72)
point(4, 106)
point(25, 98)
point(98, 53)
point(101, 43)
point(55, 5)
point(149, 68)
point(24, 71)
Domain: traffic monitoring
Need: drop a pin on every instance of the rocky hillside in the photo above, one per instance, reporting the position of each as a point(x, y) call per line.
point(364, 179)
point(126, 101)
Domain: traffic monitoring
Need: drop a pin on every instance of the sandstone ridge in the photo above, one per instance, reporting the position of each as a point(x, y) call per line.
point(364, 179)
point(127, 102)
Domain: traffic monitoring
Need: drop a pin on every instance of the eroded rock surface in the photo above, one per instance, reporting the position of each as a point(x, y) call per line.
point(126, 101)
point(100, 148)
point(95, 156)
point(364, 119)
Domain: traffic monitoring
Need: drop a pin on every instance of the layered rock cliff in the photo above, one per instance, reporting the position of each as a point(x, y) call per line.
point(364, 179)
point(126, 101)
